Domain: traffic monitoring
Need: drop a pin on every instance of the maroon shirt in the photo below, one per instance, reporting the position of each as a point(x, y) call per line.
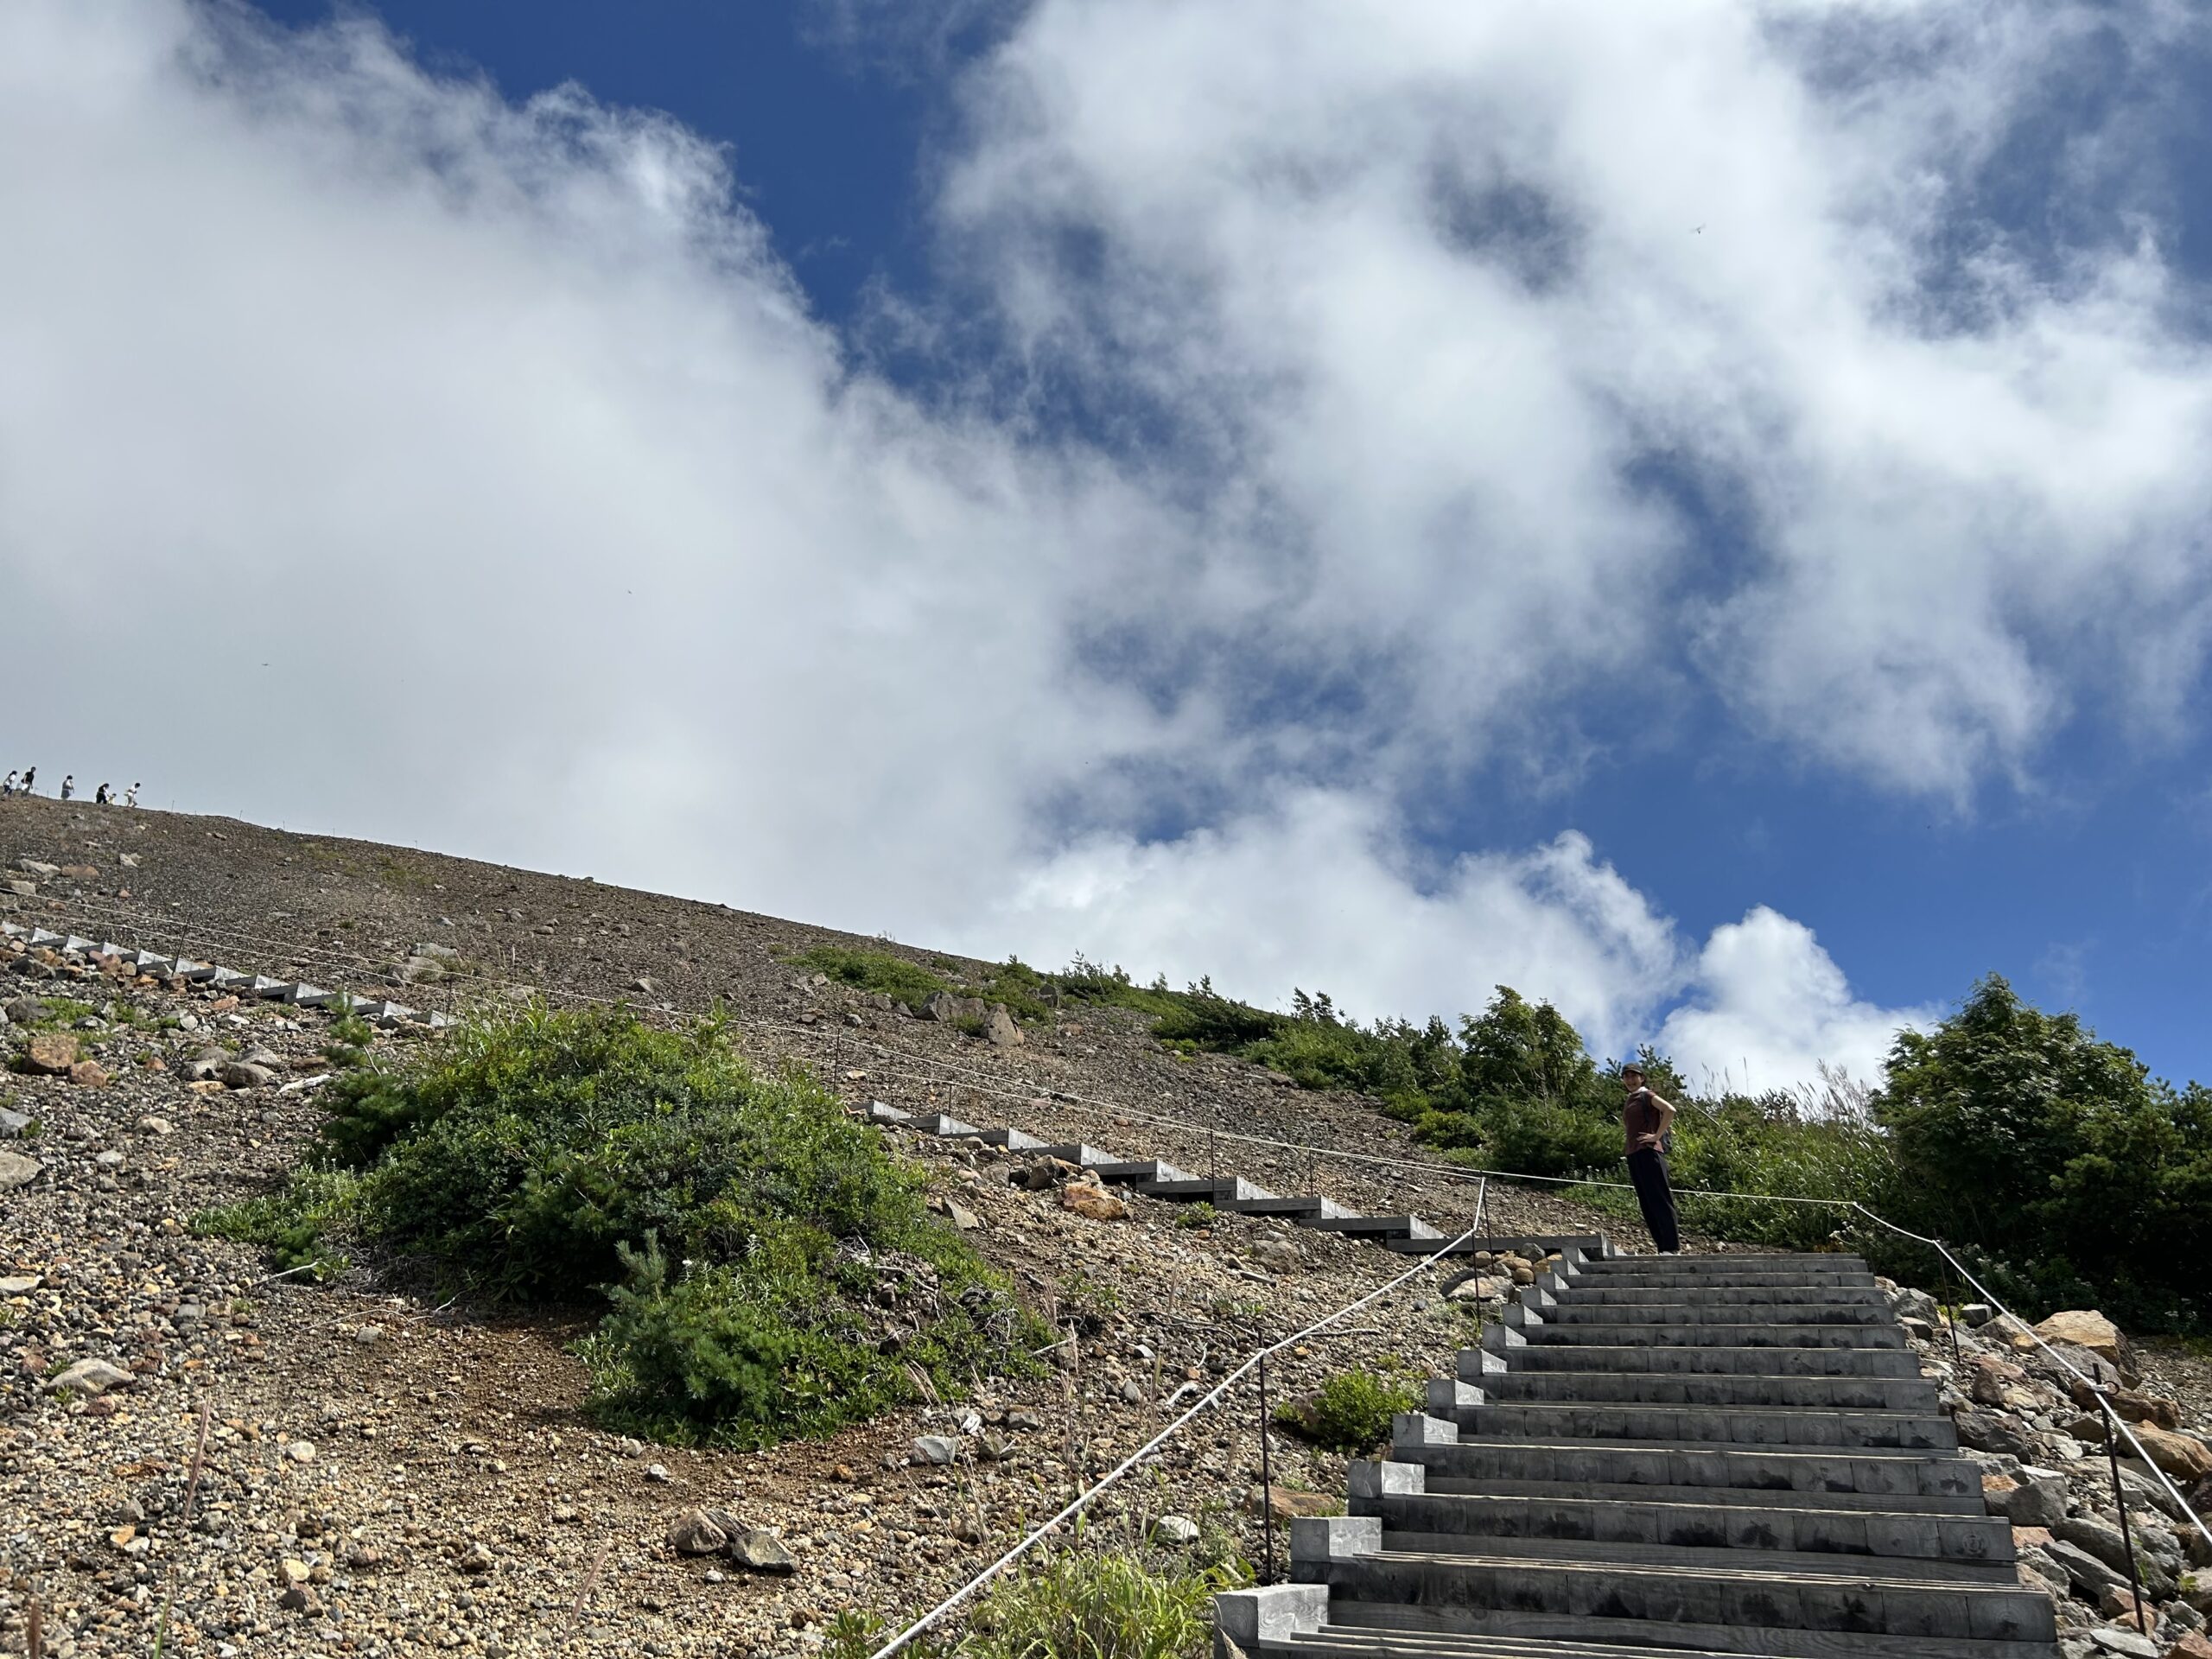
point(1640, 1116)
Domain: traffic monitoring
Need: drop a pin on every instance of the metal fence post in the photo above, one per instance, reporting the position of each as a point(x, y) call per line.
point(1267, 1486)
point(2119, 1496)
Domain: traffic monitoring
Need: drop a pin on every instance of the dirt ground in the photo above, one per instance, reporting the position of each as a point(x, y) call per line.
point(422, 1470)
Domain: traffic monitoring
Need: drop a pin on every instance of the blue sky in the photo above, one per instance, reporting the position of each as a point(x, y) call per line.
point(1704, 524)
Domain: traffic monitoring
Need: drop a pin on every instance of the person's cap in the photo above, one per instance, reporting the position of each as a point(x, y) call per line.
point(1632, 1070)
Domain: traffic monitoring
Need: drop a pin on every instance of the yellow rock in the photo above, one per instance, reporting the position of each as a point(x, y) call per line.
point(2086, 1328)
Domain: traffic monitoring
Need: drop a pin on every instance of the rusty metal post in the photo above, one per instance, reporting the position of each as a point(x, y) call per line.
point(2119, 1496)
point(1267, 1486)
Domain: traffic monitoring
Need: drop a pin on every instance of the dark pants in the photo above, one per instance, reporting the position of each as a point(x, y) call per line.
point(1648, 1169)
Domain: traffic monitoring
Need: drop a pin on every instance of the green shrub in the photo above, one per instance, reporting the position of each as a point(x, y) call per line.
point(1114, 1605)
point(877, 972)
point(545, 1157)
point(1351, 1411)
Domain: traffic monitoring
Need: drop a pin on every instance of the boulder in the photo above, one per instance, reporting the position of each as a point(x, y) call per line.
point(1275, 1255)
point(88, 1074)
point(2035, 1498)
point(1093, 1202)
point(2183, 1457)
point(2102, 1540)
point(1001, 1028)
point(52, 1052)
point(939, 1449)
point(16, 1170)
point(1175, 1531)
point(245, 1074)
point(2087, 1328)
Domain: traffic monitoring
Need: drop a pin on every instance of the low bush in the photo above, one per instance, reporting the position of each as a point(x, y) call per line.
point(772, 1269)
point(1351, 1411)
point(1111, 1605)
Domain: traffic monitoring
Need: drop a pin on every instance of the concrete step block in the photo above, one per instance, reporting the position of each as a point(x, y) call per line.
point(1738, 1426)
point(1299, 1207)
point(1716, 1360)
point(1567, 1307)
point(1591, 1244)
point(1221, 1192)
point(1735, 1261)
point(1816, 1539)
point(1397, 1226)
point(1807, 1473)
point(1624, 1595)
point(1706, 1389)
point(1626, 1335)
point(1418, 1632)
point(1585, 1293)
point(1011, 1140)
point(1074, 1152)
point(1139, 1170)
point(939, 1124)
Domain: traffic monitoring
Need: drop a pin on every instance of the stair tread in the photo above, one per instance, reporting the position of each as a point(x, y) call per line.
point(1666, 1570)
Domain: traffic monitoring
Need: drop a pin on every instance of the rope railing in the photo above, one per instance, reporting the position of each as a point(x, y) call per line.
point(1084, 1500)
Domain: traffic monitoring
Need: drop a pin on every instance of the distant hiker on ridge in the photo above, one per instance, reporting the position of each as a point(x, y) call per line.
point(7, 787)
point(30, 780)
point(1645, 1121)
point(68, 785)
point(100, 796)
point(130, 796)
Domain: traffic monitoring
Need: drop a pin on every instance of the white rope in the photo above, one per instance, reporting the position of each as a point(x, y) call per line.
point(1084, 1500)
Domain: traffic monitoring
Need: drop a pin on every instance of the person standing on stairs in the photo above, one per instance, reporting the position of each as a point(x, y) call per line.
point(1645, 1122)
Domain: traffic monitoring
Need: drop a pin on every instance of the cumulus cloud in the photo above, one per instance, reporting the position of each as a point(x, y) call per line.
point(1352, 405)
point(1769, 1007)
point(1323, 884)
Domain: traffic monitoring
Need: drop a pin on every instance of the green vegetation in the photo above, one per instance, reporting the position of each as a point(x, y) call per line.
point(1114, 1605)
point(1024, 992)
point(772, 1269)
point(2052, 1160)
point(1351, 1411)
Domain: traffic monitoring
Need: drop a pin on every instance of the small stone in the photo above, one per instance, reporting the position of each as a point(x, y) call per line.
point(477, 1558)
point(20, 1284)
point(1977, 1314)
point(758, 1550)
point(1028, 1422)
point(301, 1451)
point(88, 1074)
point(1176, 1531)
point(299, 1599)
point(965, 1219)
point(694, 1533)
point(156, 1125)
point(658, 1473)
point(1288, 1504)
point(90, 1376)
point(1277, 1254)
point(939, 1449)
point(13, 1124)
point(245, 1074)
point(368, 1334)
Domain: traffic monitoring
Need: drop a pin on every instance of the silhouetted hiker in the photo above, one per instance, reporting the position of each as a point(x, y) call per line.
point(68, 785)
point(30, 780)
point(1645, 1120)
point(100, 796)
point(130, 796)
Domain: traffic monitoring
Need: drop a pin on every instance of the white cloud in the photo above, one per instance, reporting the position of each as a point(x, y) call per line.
point(1769, 1007)
point(1323, 890)
point(474, 475)
point(1445, 290)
